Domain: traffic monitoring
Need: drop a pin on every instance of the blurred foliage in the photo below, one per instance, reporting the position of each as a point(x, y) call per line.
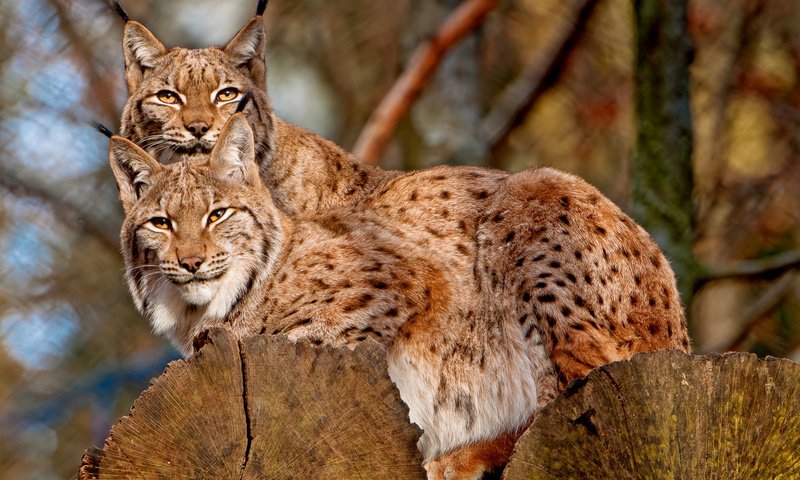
point(74, 353)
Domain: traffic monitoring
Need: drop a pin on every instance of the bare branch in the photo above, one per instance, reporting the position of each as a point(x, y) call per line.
point(758, 310)
point(383, 122)
point(542, 72)
point(758, 268)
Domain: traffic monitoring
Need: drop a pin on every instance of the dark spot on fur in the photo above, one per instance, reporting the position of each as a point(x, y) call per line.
point(498, 218)
point(579, 301)
point(655, 261)
point(540, 285)
point(519, 261)
point(578, 255)
point(634, 300)
point(565, 202)
point(555, 264)
point(557, 248)
point(538, 258)
point(669, 331)
point(444, 194)
point(547, 298)
point(571, 277)
point(544, 275)
point(463, 250)
point(545, 240)
point(565, 311)
point(587, 278)
point(526, 297)
point(654, 328)
point(564, 219)
point(637, 279)
point(381, 285)
point(522, 319)
point(651, 301)
point(413, 196)
point(550, 320)
point(480, 195)
point(578, 326)
point(510, 237)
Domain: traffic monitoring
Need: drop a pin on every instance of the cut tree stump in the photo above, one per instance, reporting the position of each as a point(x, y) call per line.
point(264, 408)
point(669, 415)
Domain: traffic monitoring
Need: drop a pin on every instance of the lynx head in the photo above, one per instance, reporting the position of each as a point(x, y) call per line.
point(180, 98)
point(195, 234)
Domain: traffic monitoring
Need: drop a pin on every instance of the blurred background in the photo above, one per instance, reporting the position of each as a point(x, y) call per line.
point(74, 353)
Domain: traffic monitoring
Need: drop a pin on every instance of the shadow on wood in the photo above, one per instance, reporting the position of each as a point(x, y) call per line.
point(670, 415)
point(264, 408)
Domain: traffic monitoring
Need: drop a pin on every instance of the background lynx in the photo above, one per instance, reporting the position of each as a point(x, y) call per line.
point(179, 101)
point(479, 329)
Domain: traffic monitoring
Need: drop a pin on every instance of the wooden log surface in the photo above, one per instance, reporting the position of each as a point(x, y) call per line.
point(264, 408)
point(669, 415)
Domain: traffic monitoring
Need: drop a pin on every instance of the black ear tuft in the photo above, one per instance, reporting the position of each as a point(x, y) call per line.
point(121, 11)
point(262, 5)
point(244, 101)
point(102, 129)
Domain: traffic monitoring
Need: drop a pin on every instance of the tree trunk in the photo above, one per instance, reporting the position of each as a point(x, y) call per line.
point(662, 180)
point(264, 408)
point(673, 416)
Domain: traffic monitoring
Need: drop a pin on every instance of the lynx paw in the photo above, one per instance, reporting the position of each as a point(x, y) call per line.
point(472, 462)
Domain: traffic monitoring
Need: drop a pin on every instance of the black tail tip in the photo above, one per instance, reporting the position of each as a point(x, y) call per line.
point(262, 5)
point(102, 129)
point(244, 101)
point(121, 11)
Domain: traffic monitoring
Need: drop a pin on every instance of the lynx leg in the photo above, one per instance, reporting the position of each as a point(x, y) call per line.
point(471, 462)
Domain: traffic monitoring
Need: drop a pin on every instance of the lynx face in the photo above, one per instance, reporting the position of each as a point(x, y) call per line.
point(195, 233)
point(180, 98)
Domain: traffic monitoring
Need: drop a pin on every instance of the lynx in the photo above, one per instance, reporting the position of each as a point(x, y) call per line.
point(485, 318)
point(180, 99)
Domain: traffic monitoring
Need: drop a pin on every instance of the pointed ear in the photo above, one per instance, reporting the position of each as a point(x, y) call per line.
point(234, 155)
point(247, 49)
point(133, 168)
point(141, 49)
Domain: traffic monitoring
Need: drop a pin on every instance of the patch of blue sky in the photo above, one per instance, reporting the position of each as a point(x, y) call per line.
point(37, 338)
point(25, 252)
point(56, 149)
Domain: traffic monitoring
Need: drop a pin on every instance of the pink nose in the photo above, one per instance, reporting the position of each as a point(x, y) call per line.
point(192, 263)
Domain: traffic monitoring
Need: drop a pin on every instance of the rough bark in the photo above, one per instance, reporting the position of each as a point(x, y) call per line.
point(662, 179)
point(264, 408)
point(670, 415)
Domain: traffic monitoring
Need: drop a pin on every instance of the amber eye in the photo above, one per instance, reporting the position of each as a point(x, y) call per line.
point(216, 215)
point(168, 97)
point(227, 94)
point(161, 223)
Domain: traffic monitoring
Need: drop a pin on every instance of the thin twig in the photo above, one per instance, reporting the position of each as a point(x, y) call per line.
point(542, 72)
point(762, 267)
point(383, 122)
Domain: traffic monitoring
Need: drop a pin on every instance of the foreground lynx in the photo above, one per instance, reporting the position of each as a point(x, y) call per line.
point(481, 328)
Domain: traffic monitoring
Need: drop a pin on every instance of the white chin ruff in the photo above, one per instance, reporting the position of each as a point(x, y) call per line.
point(199, 293)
